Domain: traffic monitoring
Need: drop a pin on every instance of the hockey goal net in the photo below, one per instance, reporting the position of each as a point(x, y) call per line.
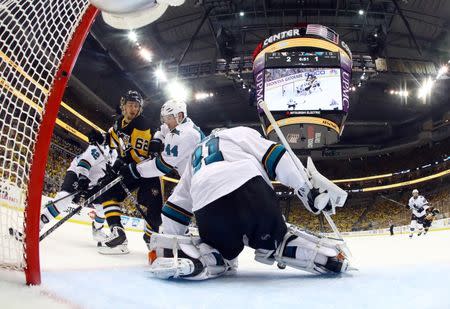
point(39, 42)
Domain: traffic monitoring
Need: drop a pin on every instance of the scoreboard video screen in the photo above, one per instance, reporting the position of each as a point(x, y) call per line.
point(301, 81)
point(303, 74)
point(303, 89)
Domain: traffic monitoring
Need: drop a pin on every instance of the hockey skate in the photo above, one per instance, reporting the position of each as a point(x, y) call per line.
point(114, 244)
point(98, 234)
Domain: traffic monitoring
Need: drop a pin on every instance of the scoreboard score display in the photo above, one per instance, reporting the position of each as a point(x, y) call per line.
point(293, 59)
point(304, 81)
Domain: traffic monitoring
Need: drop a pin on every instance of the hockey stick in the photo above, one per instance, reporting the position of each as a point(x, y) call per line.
point(299, 165)
point(87, 202)
point(393, 201)
point(62, 198)
point(127, 191)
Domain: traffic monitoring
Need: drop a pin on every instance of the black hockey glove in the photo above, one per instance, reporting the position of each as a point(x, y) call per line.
point(96, 137)
point(155, 147)
point(82, 187)
point(118, 164)
point(129, 173)
point(83, 183)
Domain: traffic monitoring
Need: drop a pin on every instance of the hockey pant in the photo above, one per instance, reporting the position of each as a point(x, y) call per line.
point(148, 195)
point(416, 222)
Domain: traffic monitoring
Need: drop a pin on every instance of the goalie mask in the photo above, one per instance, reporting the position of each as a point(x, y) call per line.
point(173, 108)
point(131, 96)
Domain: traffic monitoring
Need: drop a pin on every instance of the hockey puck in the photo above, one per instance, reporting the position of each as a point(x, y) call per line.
point(281, 266)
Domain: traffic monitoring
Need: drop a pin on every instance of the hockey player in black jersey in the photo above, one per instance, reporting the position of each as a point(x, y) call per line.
point(130, 135)
point(431, 213)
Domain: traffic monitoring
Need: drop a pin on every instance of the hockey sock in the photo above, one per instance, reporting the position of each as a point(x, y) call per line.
point(113, 212)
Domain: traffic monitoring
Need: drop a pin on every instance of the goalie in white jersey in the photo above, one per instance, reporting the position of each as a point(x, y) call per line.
point(84, 172)
point(174, 144)
point(227, 187)
point(418, 205)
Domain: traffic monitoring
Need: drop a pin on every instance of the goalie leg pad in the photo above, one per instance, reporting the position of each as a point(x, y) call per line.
point(308, 252)
point(191, 258)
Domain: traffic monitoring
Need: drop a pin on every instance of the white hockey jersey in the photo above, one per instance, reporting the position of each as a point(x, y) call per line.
point(179, 144)
point(222, 163)
point(92, 164)
point(418, 205)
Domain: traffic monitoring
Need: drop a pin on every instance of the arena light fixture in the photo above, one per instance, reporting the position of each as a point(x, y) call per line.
point(199, 96)
point(241, 13)
point(160, 75)
point(442, 71)
point(361, 12)
point(146, 54)
point(132, 36)
point(425, 89)
point(177, 90)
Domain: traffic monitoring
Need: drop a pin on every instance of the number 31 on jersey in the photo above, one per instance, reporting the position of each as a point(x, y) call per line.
point(214, 154)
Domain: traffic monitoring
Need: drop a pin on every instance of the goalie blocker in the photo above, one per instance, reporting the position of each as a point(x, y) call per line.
point(230, 194)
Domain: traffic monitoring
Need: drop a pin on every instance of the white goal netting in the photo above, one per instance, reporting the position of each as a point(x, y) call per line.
point(34, 35)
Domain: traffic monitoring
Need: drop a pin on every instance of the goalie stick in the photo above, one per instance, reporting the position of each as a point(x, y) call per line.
point(301, 169)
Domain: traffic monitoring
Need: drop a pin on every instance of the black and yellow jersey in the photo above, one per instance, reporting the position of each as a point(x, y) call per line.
point(131, 139)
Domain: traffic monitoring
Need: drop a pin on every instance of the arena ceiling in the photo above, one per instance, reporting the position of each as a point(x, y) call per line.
point(109, 63)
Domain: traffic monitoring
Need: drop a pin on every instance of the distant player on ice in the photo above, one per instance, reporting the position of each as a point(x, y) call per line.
point(418, 205)
point(227, 187)
point(431, 213)
point(291, 104)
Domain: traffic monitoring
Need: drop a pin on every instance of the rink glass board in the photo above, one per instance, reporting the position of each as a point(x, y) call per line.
point(303, 89)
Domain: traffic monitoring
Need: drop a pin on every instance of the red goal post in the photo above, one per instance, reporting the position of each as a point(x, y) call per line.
point(39, 44)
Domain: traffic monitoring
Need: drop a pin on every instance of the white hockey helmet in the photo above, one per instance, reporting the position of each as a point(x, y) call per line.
point(174, 107)
point(415, 191)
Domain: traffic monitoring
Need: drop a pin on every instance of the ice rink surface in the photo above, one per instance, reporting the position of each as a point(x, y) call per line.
point(394, 272)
